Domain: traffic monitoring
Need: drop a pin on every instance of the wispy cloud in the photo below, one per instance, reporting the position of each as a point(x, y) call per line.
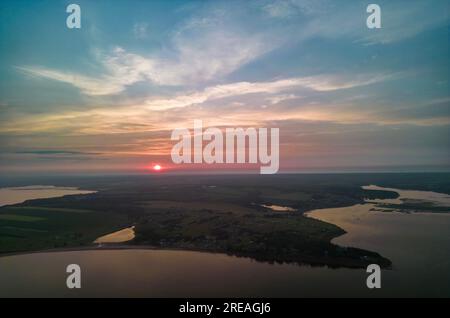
point(328, 19)
point(197, 54)
point(171, 113)
point(121, 69)
point(291, 8)
point(54, 152)
point(280, 98)
point(208, 47)
point(140, 30)
point(88, 85)
point(320, 83)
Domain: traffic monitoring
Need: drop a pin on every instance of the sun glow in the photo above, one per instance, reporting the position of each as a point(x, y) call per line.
point(157, 167)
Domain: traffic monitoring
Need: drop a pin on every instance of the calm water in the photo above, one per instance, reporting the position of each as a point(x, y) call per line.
point(20, 194)
point(278, 208)
point(146, 273)
point(118, 236)
point(438, 199)
point(418, 245)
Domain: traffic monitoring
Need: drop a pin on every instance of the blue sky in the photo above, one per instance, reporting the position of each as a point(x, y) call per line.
point(106, 97)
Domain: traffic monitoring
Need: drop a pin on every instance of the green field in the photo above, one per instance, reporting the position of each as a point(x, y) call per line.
point(19, 218)
point(33, 228)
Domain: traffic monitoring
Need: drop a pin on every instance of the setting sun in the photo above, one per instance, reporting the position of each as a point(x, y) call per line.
point(157, 167)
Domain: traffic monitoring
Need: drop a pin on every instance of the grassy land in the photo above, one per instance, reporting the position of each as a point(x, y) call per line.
point(33, 228)
point(221, 214)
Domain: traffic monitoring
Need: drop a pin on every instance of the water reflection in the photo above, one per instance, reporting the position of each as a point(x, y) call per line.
point(16, 195)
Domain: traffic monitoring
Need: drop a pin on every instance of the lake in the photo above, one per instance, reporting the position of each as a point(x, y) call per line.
point(20, 194)
point(418, 245)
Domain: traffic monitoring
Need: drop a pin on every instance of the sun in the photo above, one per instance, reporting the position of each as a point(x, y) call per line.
point(157, 167)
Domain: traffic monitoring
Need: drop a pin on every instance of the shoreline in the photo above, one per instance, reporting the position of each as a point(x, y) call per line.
point(332, 263)
point(103, 246)
point(313, 261)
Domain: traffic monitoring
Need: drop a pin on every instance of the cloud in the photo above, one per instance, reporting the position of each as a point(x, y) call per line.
point(194, 54)
point(121, 68)
point(435, 111)
point(140, 30)
point(328, 19)
point(216, 42)
point(320, 83)
point(53, 152)
point(214, 56)
point(55, 155)
point(88, 85)
point(290, 8)
point(292, 64)
point(218, 105)
point(403, 20)
point(280, 98)
point(279, 9)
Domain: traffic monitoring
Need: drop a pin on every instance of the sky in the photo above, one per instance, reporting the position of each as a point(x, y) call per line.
point(106, 97)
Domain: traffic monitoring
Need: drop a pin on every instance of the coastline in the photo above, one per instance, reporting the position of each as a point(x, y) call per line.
point(331, 262)
point(346, 257)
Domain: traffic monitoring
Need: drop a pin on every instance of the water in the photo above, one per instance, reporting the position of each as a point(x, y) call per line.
point(278, 208)
point(20, 194)
point(163, 273)
point(437, 199)
point(120, 236)
point(418, 244)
